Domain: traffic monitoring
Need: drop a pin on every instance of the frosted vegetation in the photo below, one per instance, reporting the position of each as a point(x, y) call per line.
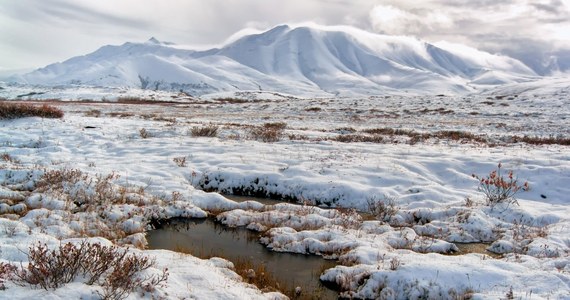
point(389, 186)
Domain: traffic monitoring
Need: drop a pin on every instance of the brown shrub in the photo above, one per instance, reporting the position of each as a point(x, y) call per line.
point(230, 100)
point(388, 131)
point(205, 131)
point(109, 266)
point(268, 132)
point(23, 110)
point(560, 140)
point(351, 138)
point(459, 135)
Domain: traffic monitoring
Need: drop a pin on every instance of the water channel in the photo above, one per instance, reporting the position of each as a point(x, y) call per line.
point(205, 238)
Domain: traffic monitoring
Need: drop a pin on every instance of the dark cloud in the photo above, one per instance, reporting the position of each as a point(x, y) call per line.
point(554, 7)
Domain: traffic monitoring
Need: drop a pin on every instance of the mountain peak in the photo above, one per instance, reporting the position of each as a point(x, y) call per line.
point(153, 40)
point(310, 59)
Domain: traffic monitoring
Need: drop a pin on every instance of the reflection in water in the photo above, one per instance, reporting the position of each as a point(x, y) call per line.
point(265, 201)
point(205, 238)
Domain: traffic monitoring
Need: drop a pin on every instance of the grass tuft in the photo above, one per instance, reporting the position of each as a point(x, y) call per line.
point(205, 131)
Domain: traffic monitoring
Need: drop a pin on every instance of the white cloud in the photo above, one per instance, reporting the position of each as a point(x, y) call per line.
point(36, 33)
point(388, 19)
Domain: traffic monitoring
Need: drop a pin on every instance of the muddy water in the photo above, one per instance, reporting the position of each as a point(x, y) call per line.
point(205, 238)
point(481, 248)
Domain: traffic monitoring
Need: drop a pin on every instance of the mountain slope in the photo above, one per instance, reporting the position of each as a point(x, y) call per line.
point(301, 60)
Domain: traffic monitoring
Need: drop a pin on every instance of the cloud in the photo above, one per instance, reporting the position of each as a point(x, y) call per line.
point(41, 32)
point(535, 32)
point(388, 19)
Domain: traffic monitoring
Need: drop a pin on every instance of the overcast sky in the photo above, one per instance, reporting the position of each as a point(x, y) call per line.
point(34, 33)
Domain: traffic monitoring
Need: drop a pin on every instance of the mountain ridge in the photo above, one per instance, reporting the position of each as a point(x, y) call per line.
point(296, 60)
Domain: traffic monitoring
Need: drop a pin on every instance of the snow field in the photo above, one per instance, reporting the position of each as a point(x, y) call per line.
point(399, 256)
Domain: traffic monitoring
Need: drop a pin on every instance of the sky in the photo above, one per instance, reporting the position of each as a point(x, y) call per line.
point(34, 33)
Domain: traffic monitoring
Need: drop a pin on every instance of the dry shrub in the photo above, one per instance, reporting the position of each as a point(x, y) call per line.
point(111, 267)
point(7, 272)
point(134, 100)
point(9, 158)
point(268, 132)
point(498, 189)
point(180, 161)
point(205, 131)
point(120, 114)
point(298, 137)
point(347, 218)
point(395, 263)
point(59, 179)
point(144, 133)
point(346, 130)
point(388, 131)
point(86, 192)
point(229, 100)
point(559, 140)
point(93, 113)
point(382, 209)
point(352, 138)
point(22, 110)
point(459, 135)
point(416, 137)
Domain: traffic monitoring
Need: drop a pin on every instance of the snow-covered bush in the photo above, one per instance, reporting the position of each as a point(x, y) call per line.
point(497, 189)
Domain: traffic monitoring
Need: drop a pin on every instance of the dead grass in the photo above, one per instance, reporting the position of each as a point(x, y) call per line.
point(23, 110)
point(93, 113)
point(455, 135)
point(559, 140)
point(120, 114)
point(360, 138)
point(210, 130)
point(382, 209)
point(9, 158)
point(268, 132)
point(134, 100)
point(255, 273)
point(229, 100)
point(388, 131)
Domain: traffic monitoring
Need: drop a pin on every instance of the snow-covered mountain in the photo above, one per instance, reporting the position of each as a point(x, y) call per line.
point(298, 60)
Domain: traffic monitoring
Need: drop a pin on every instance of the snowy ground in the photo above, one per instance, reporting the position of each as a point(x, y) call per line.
point(159, 172)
